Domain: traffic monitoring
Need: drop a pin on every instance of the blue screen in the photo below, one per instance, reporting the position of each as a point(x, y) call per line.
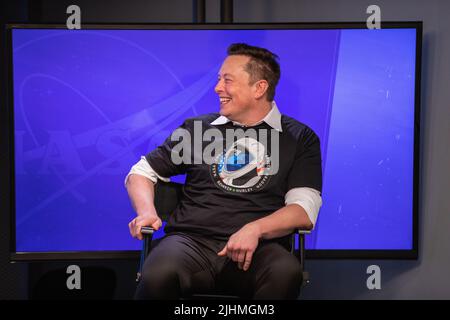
point(89, 103)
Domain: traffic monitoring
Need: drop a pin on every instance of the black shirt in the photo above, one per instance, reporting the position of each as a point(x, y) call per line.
point(220, 198)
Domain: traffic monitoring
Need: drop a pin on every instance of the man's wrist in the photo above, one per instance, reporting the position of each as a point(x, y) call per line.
point(256, 226)
point(148, 214)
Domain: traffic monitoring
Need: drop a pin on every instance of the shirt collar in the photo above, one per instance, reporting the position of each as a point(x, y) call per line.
point(273, 119)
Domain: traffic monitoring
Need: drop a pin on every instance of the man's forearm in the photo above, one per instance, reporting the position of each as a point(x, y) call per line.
point(283, 222)
point(142, 193)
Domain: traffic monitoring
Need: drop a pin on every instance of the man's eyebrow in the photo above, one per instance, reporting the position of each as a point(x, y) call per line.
point(226, 75)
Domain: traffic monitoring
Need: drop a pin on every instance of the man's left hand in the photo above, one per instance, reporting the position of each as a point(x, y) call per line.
point(241, 246)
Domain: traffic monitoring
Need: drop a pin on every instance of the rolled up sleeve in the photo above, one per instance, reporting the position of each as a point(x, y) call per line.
point(308, 198)
point(143, 168)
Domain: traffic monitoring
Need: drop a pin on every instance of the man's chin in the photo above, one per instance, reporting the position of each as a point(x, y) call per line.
point(223, 112)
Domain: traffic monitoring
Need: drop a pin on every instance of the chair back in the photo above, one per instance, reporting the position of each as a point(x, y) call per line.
point(167, 197)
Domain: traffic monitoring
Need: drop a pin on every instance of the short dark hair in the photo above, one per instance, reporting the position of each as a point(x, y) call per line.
point(263, 64)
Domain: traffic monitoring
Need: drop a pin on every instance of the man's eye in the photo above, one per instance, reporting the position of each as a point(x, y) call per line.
point(227, 80)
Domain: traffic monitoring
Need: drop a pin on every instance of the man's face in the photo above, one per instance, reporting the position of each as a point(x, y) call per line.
point(235, 93)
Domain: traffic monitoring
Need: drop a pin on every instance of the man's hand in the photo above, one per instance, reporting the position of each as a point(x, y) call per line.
point(241, 246)
point(143, 221)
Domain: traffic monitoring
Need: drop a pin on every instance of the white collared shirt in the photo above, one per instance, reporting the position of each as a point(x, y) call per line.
point(273, 119)
point(308, 198)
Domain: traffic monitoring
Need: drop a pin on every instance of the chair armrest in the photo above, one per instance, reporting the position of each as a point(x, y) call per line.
point(147, 233)
point(301, 251)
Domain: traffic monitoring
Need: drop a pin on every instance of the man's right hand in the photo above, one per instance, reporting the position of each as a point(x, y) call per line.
point(143, 221)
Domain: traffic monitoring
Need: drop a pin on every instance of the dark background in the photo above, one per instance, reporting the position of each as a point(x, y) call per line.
point(426, 278)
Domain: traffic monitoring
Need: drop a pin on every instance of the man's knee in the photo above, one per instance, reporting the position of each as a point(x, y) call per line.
point(160, 281)
point(286, 270)
point(160, 273)
point(281, 278)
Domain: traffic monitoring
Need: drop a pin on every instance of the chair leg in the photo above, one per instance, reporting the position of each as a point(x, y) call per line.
point(305, 280)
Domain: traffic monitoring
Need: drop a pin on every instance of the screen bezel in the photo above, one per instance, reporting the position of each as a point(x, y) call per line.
point(8, 122)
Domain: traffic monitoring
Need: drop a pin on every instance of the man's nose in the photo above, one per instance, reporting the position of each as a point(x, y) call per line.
point(219, 87)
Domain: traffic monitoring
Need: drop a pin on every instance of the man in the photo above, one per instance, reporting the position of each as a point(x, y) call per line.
point(230, 230)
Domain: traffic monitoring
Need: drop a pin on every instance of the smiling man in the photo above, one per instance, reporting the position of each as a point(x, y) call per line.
point(231, 229)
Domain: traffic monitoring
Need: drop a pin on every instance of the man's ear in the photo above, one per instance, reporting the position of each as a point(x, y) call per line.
point(261, 87)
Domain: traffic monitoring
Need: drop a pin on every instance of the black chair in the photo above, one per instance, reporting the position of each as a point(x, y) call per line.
point(167, 197)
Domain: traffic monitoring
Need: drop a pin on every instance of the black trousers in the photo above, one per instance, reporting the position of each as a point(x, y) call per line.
point(180, 265)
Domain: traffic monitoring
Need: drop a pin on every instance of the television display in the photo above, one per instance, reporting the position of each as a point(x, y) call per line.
point(87, 104)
